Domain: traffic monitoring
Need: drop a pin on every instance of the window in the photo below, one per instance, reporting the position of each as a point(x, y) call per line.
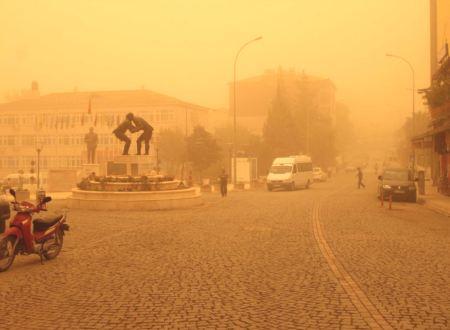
point(281, 169)
point(10, 140)
point(305, 167)
point(28, 140)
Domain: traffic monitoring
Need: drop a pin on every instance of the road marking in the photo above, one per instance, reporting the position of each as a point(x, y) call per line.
point(368, 311)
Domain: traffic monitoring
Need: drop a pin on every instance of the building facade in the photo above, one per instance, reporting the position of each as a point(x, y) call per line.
point(437, 96)
point(57, 123)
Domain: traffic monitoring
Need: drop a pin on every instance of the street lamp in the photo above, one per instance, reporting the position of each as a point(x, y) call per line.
point(39, 147)
point(234, 102)
point(413, 101)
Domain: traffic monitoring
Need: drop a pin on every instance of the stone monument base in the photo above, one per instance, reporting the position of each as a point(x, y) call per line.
point(131, 165)
point(135, 200)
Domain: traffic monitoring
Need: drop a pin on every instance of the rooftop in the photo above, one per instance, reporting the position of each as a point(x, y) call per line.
point(99, 99)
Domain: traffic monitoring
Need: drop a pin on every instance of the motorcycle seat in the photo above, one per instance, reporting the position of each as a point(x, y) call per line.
point(46, 221)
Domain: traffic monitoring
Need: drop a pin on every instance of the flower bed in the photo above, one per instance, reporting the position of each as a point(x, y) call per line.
point(128, 183)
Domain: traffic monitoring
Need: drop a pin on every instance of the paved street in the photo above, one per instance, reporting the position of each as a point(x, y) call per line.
point(328, 257)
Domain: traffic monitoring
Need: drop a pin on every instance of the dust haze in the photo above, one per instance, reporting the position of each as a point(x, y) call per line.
point(186, 48)
point(226, 164)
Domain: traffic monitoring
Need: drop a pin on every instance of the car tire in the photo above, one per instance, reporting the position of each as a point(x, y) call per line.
point(292, 186)
point(413, 197)
point(269, 187)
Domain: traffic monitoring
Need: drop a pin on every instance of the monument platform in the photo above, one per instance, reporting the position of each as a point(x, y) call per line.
point(135, 200)
point(132, 165)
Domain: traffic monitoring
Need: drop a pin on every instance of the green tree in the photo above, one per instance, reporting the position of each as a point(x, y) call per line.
point(202, 149)
point(280, 132)
point(304, 113)
point(172, 150)
point(248, 145)
point(344, 131)
point(404, 134)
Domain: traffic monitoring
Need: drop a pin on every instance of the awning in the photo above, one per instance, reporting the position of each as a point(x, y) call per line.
point(428, 135)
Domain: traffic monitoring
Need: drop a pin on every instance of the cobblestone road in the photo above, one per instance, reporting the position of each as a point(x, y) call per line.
point(252, 260)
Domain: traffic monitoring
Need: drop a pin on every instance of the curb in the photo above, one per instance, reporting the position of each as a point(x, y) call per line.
point(431, 206)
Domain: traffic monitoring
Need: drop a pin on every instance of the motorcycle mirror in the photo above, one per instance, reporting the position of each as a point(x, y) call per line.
point(12, 192)
point(46, 199)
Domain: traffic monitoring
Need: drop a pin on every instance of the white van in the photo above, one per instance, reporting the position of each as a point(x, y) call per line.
point(290, 173)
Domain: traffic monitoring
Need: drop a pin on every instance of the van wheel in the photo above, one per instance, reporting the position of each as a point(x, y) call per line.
point(269, 187)
point(307, 185)
point(292, 186)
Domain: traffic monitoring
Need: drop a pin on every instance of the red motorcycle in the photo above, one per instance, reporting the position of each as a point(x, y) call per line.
point(43, 235)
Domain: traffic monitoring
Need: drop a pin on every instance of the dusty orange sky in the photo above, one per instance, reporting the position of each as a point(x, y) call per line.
point(186, 48)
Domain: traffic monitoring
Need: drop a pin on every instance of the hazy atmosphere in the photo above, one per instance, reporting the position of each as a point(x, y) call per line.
point(224, 164)
point(186, 48)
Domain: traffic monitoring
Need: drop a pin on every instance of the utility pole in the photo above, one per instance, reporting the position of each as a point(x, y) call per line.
point(235, 105)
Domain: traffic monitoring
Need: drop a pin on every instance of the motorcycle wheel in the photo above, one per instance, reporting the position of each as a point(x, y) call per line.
point(53, 246)
point(7, 253)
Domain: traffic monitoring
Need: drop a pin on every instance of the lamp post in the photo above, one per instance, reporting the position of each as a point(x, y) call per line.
point(413, 101)
point(234, 103)
point(38, 150)
point(39, 191)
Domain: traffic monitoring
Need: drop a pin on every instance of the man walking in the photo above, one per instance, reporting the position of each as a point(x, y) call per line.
point(120, 131)
point(91, 140)
point(141, 125)
point(359, 175)
point(223, 183)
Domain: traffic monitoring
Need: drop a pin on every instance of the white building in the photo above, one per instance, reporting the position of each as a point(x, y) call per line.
point(58, 122)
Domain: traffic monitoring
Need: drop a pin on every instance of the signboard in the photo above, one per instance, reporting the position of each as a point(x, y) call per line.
point(246, 170)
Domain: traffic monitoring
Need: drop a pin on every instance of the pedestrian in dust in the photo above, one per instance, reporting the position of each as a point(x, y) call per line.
point(91, 140)
point(120, 131)
point(142, 125)
point(223, 183)
point(359, 175)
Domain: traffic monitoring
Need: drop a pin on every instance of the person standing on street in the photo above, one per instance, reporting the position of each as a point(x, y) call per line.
point(120, 131)
point(142, 125)
point(91, 140)
point(359, 175)
point(223, 183)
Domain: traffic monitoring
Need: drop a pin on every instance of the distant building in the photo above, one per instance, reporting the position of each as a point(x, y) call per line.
point(254, 96)
point(434, 145)
point(59, 121)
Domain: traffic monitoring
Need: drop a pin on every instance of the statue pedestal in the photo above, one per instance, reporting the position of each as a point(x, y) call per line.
point(89, 168)
point(133, 165)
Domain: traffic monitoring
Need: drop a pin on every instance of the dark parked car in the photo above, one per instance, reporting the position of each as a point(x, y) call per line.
point(398, 182)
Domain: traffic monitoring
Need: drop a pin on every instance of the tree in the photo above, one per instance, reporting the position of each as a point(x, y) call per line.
point(404, 134)
point(304, 113)
point(280, 133)
point(172, 149)
point(248, 145)
point(202, 149)
point(345, 131)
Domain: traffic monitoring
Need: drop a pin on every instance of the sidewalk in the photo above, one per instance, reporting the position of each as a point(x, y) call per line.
point(60, 195)
point(55, 196)
point(435, 201)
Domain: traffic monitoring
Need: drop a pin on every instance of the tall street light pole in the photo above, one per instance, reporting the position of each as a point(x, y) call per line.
point(413, 101)
point(235, 105)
